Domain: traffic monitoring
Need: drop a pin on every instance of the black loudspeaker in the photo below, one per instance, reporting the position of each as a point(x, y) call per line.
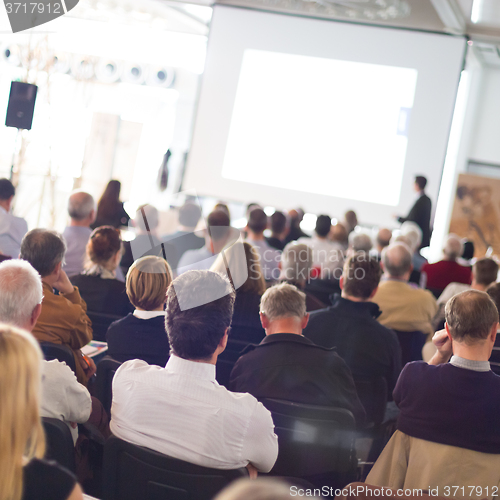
point(21, 105)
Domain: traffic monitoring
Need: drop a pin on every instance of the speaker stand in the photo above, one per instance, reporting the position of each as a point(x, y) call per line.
point(14, 155)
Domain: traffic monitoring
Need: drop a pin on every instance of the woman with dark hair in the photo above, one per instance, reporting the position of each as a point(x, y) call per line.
point(110, 211)
point(97, 284)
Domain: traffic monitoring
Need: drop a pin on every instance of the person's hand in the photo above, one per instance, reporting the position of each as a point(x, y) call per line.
point(252, 471)
point(444, 348)
point(88, 365)
point(63, 284)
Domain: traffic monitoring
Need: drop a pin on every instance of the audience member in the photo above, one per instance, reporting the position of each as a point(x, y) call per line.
point(146, 241)
point(220, 205)
point(295, 232)
point(82, 212)
point(296, 269)
point(382, 240)
point(280, 227)
point(20, 305)
point(484, 273)
point(467, 257)
point(269, 257)
point(420, 213)
point(404, 308)
point(440, 274)
point(245, 325)
point(97, 284)
point(350, 325)
point(141, 334)
point(327, 256)
point(110, 211)
point(454, 404)
point(63, 319)
point(12, 228)
point(24, 474)
point(413, 233)
point(216, 238)
point(181, 410)
point(185, 238)
point(350, 221)
point(339, 235)
point(494, 292)
point(359, 242)
point(286, 365)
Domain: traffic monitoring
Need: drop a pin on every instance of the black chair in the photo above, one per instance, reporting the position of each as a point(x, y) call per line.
point(100, 324)
point(411, 345)
point(131, 472)
point(60, 352)
point(60, 445)
point(316, 443)
point(106, 369)
point(227, 359)
point(372, 392)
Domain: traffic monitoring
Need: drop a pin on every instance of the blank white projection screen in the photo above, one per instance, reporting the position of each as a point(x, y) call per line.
point(323, 115)
point(293, 118)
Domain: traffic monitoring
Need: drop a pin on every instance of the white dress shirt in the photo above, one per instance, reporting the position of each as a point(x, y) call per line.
point(12, 230)
point(63, 397)
point(182, 411)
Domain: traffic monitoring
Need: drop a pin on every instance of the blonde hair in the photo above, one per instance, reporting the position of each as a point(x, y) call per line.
point(21, 432)
point(147, 281)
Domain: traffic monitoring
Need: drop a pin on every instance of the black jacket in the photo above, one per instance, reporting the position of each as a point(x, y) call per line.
point(290, 367)
point(368, 348)
point(420, 213)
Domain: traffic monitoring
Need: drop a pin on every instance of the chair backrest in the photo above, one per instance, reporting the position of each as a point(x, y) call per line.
point(131, 472)
point(60, 352)
point(227, 359)
point(60, 445)
point(313, 440)
point(100, 324)
point(411, 345)
point(106, 369)
point(372, 393)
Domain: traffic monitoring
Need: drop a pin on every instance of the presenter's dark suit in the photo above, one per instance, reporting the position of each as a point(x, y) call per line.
point(420, 213)
point(290, 367)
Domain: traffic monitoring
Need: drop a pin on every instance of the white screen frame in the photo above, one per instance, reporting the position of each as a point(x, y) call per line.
point(438, 58)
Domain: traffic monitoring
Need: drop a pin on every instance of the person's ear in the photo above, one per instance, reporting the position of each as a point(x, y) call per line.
point(493, 333)
point(447, 328)
point(223, 340)
point(264, 320)
point(35, 314)
point(373, 293)
point(341, 282)
point(304, 321)
point(57, 269)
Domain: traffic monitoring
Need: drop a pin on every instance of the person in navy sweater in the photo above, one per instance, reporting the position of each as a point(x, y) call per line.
point(141, 334)
point(456, 403)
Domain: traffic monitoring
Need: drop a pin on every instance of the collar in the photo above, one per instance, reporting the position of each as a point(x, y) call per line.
point(102, 272)
point(358, 307)
point(147, 314)
point(286, 337)
point(191, 368)
point(469, 364)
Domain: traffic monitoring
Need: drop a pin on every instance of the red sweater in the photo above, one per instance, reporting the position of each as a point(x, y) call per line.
point(444, 272)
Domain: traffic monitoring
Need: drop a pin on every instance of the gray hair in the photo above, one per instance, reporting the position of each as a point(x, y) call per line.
point(22, 291)
point(470, 315)
point(80, 205)
point(283, 301)
point(397, 259)
point(43, 249)
point(453, 247)
point(360, 242)
point(296, 262)
point(413, 232)
point(148, 212)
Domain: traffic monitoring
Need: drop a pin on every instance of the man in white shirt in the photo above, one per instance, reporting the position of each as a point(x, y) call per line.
point(82, 211)
point(20, 305)
point(181, 410)
point(12, 228)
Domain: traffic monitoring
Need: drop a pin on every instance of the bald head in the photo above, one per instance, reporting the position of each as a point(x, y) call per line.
point(453, 247)
point(397, 260)
point(81, 208)
point(384, 236)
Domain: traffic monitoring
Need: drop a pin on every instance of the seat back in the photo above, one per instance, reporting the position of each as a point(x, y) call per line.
point(59, 440)
point(313, 440)
point(100, 324)
point(106, 369)
point(411, 345)
point(227, 359)
point(372, 393)
point(60, 352)
point(131, 472)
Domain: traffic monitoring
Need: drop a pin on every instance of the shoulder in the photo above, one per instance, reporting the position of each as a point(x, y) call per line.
point(136, 369)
